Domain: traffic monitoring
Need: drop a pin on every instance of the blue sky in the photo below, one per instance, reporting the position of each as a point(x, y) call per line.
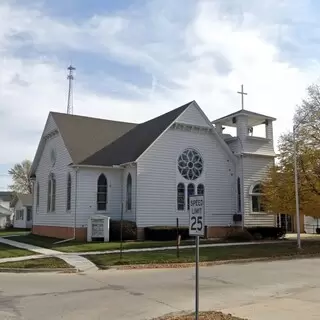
point(137, 59)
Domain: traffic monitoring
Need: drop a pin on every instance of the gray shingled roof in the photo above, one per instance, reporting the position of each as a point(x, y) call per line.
point(132, 144)
point(6, 195)
point(26, 199)
point(83, 136)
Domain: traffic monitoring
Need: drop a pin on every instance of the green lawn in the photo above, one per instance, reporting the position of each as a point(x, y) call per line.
point(206, 254)
point(9, 251)
point(74, 246)
point(46, 263)
point(12, 232)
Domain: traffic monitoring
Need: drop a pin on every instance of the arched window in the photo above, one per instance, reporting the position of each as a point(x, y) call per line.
point(38, 195)
point(200, 189)
point(256, 195)
point(102, 193)
point(51, 205)
point(239, 194)
point(129, 192)
point(180, 197)
point(191, 191)
point(69, 184)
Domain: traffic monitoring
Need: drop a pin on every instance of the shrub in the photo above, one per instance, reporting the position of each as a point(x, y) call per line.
point(266, 232)
point(129, 230)
point(164, 233)
point(239, 235)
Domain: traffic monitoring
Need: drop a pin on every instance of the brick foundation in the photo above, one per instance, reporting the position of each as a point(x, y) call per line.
point(60, 232)
point(219, 232)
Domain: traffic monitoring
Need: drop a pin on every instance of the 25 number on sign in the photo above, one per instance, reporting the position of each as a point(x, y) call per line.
point(196, 223)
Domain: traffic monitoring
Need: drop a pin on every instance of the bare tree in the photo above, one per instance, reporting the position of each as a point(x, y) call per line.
point(20, 174)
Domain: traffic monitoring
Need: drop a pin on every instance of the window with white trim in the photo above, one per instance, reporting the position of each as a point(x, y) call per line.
point(69, 184)
point(191, 192)
point(129, 192)
point(239, 194)
point(38, 195)
point(181, 197)
point(102, 193)
point(51, 201)
point(200, 189)
point(256, 198)
point(19, 214)
point(29, 213)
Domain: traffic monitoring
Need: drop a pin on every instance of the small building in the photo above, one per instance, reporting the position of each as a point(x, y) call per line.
point(6, 214)
point(22, 204)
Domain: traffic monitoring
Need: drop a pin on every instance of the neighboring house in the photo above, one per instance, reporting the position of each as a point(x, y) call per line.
point(311, 224)
point(22, 204)
point(85, 166)
point(6, 213)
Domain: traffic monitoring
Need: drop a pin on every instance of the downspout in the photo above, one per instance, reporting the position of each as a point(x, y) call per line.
point(135, 195)
point(75, 210)
point(242, 182)
point(242, 191)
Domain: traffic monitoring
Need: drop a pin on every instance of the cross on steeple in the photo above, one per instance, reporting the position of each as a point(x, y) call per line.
point(242, 94)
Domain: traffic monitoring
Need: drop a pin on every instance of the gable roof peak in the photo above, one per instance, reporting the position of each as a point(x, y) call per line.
point(130, 146)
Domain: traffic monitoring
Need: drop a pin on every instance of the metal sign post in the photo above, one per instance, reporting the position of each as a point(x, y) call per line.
point(196, 228)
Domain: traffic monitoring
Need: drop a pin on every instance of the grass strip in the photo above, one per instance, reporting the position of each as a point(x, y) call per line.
point(206, 254)
point(76, 246)
point(43, 263)
point(7, 251)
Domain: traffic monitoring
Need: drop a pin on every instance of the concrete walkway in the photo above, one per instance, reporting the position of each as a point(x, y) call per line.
point(181, 247)
point(75, 260)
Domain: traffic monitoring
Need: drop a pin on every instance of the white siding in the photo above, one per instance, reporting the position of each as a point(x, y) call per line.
point(254, 170)
point(19, 223)
point(157, 178)
point(60, 217)
point(193, 116)
point(87, 194)
point(23, 224)
point(259, 146)
point(50, 125)
point(234, 145)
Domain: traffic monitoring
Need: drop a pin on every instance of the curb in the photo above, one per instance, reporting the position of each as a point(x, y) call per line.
point(38, 270)
point(208, 263)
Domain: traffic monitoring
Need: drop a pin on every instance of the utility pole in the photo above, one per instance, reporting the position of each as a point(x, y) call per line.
point(70, 91)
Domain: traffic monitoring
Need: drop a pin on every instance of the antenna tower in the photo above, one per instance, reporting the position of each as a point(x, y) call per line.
point(70, 92)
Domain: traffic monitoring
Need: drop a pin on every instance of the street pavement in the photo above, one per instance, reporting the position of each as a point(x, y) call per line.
point(278, 290)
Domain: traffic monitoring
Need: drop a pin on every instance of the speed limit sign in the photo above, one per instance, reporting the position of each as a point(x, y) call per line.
point(196, 216)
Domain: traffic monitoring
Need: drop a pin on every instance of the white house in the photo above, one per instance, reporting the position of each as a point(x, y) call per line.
point(5, 211)
point(85, 166)
point(22, 204)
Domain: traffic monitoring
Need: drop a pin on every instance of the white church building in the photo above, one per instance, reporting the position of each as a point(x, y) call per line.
point(86, 166)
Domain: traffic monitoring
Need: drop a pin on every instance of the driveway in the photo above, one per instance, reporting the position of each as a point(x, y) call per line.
point(259, 291)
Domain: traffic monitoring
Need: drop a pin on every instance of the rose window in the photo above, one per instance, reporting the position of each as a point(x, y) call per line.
point(190, 164)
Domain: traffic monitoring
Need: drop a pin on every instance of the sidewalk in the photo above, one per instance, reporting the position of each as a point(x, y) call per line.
point(174, 247)
point(75, 260)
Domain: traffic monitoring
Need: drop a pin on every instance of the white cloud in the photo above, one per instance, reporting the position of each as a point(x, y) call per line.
point(204, 54)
